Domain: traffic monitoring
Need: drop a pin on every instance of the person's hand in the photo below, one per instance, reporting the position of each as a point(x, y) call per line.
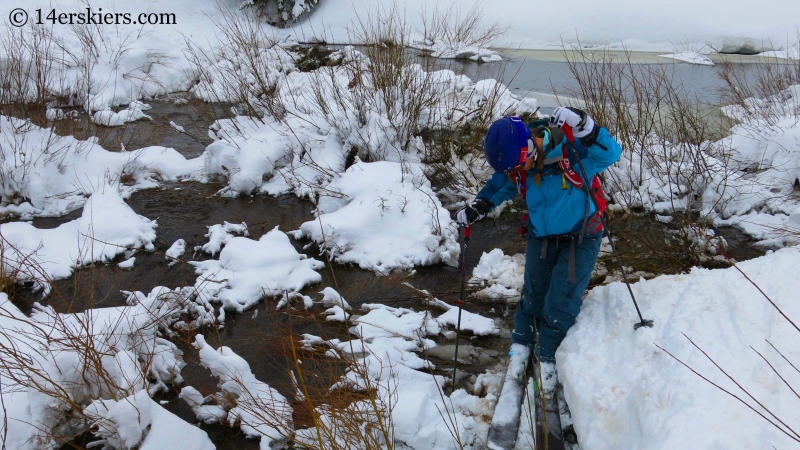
point(581, 123)
point(471, 213)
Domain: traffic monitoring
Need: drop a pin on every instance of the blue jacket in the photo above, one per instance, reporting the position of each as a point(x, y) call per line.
point(554, 210)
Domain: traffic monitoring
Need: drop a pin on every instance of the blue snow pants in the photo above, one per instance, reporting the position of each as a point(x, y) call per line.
point(550, 303)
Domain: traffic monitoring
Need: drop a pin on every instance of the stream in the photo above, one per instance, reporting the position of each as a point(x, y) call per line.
point(185, 210)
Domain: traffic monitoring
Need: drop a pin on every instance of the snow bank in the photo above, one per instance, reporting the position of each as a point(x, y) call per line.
point(747, 180)
point(139, 422)
point(45, 174)
point(503, 276)
point(384, 217)
point(248, 270)
point(107, 228)
point(260, 410)
point(624, 392)
point(106, 352)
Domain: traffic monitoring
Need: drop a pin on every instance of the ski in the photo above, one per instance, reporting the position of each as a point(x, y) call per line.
point(548, 434)
point(505, 422)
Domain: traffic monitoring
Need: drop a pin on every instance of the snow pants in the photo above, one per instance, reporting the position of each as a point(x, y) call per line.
point(550, 303)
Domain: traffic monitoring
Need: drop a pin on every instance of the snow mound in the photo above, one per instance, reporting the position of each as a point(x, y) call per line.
point(248, 270)
point(219, 235)
point(138, 422)
point(502, 275)
point(386, 217)
point(107, 228)
point(109, 118)
point(624, 392)
point(690, 57)
point(175, 251)
point(337, 305)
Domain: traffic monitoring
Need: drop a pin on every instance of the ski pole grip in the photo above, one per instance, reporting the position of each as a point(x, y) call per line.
point(568, 132)
point(466, 232)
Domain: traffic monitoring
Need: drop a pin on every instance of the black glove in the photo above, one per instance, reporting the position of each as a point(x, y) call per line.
point(476, 211)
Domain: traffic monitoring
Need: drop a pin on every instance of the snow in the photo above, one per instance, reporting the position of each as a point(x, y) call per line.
point(505, 276)
point(128, 263)
point(45, 174)
point(248, 270)
point(260, 410)
point(175, 251)
point(106, 228)
point(624, 392)
point(337, 305)
point(177, 127)
point(690, 57)
point(386, 360)
point(750, 178)
point(138, 422)
point(638, 26)
point(48, 368)
point(220, 234)
point(141, 62)
point(134, 112)
point(383, 216)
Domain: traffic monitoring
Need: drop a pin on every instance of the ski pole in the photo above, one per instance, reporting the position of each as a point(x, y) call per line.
point(571, 141)
point(461, 297)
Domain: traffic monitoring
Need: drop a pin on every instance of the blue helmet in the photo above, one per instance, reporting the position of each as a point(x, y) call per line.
point(505, 142)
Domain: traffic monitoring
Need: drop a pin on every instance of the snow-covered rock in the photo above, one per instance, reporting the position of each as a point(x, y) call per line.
point(248, 270)
point(386, 217)
point(503, 276)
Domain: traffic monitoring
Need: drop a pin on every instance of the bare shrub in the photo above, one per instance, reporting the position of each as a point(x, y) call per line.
point(242, 70)
point(672, 152)
point(456, 28)
point(763, 99)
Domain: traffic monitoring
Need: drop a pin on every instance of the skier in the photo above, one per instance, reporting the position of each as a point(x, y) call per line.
point(563, 225)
